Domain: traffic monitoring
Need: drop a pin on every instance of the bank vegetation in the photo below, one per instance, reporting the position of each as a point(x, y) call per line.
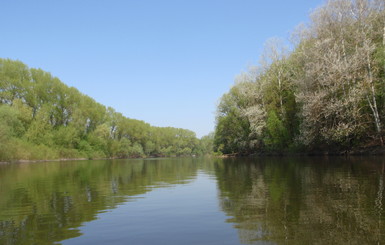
point(42, 118)
point(325, 95)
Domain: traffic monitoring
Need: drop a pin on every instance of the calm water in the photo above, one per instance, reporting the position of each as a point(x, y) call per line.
point(194, 201)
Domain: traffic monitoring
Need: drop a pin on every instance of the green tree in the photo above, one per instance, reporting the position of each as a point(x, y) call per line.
point(277, 135)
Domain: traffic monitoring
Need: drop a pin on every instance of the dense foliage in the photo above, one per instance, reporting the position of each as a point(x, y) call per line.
point(328, 93)
point(42, 118)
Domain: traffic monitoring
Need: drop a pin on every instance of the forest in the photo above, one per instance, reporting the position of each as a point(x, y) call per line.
point(42, 118)
point(324, 94)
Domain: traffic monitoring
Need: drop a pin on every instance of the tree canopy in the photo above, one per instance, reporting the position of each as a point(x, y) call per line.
point(328, 93)
point(42, 118)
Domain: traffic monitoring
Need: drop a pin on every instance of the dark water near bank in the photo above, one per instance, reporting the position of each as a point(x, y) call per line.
point(194, 201)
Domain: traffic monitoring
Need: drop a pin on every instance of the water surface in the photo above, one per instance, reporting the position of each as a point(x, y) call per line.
point(194, 201)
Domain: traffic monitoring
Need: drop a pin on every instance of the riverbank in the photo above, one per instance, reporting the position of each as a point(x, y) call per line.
point(359, 151)
point(45, 160)
point(84, 159)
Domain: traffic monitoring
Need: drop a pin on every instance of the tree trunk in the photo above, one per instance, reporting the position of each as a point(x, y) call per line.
point(373, 103)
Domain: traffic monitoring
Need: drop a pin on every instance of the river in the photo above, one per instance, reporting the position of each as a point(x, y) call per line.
point(194, 201)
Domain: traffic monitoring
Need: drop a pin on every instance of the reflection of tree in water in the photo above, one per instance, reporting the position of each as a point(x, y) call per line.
point(44, 203)
point(301, 201)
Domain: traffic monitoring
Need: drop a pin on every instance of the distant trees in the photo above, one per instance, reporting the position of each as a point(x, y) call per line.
point(42, 118)
point(329, 92)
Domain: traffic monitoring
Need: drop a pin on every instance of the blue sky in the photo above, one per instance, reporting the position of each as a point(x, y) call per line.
point(165, 62)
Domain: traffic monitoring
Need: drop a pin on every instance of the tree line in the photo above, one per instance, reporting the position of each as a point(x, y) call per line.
point(327, 93)
point(42, 118)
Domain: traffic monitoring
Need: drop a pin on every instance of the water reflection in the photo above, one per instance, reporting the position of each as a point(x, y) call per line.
point(304, 201)
point(42, 203)
point(266, 201)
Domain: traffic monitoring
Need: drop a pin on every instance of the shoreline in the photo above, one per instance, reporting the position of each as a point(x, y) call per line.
point(369, 151)
point(74, 159)
point(45, 160)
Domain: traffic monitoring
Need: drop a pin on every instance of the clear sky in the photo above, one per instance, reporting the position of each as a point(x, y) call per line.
point(166, 62)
